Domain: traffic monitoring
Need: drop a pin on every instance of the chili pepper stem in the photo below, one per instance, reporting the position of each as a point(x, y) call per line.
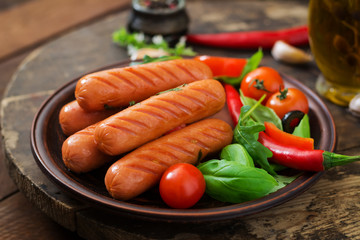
point(333, 159)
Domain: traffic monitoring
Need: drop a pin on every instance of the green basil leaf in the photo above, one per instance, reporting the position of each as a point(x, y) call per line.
point(303, 128)
point(230, 181)
point(235, 81)
point(277, 167)
point(237, 153)
point(262, 113)
point(245, 133)
point(148, 59)
point(283, 181)
point(251, 64)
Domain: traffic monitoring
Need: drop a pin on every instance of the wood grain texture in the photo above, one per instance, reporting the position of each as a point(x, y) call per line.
point(33, 22)
point(328, 210)
point(20, 220)
point(7, 69)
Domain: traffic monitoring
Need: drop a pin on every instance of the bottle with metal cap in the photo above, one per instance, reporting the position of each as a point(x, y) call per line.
point(159, 17)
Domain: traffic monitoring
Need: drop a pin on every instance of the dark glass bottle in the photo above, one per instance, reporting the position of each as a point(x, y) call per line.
point(159, 17)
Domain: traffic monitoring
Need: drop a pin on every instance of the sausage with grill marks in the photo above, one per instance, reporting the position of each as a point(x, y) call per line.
point(155, 116)
point(142, 169)
point(73, 118)
point(119, 86)
point(80, 154)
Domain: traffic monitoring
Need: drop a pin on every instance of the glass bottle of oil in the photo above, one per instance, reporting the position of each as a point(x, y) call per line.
point(334, 31)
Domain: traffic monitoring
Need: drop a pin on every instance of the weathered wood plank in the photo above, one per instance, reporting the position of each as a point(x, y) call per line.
point(7, 69)
point(34, 22)
point(325, 211)
point(20, 220)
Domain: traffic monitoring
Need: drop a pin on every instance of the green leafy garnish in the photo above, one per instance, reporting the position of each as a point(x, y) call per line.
point(134, 41)
point(246, 133)
point(261, 113)
point(231, 181)
point(237, 153)
point(148, 59)
point(252, 63)
point(283, 181)
point(303, 128)
point(172, 89)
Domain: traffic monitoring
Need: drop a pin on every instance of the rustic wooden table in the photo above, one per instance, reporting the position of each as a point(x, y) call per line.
point(328, 210)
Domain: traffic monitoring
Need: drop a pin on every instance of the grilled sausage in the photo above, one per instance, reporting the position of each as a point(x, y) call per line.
point(117, 87)
point(142, 169)
point(73, 118)
point(80, 154)
point(157, 115)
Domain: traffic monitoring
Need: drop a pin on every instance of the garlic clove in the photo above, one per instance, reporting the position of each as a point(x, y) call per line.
point(354, 105)
point(151, 52)
point(287, 53)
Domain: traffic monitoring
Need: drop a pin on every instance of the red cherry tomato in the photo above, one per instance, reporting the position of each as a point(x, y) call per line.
point(263, 80)
point(223, 66)
point(182, 185)
point(290, 99)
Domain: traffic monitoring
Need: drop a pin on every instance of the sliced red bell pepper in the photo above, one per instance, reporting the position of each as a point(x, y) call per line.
point(287, 138)
point(223, 66)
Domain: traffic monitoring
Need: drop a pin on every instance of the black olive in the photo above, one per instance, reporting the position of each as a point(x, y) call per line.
point(291, 120)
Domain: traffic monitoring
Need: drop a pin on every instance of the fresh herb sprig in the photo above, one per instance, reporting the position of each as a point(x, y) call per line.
point(135, 41)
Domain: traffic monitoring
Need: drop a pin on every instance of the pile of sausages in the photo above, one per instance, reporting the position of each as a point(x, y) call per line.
point(102, 127)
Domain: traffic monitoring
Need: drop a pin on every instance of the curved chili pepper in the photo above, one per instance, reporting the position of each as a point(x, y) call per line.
point(287, 138)
point(305, 160)
point(252, 39)
point(233, 102)
point(223, 66)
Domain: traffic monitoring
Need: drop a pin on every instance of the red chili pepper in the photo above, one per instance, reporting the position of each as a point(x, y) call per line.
point(233, 102)
point(252, 39)
point(287, 138)
point(305, 160)
point(223, 66)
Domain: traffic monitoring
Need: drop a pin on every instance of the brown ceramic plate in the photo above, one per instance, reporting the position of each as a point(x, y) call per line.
point(47, 138)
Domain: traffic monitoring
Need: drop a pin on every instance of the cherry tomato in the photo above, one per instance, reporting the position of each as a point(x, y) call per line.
point(289, 99)
point(182, 185)
point(223, 66)
point(263, 80)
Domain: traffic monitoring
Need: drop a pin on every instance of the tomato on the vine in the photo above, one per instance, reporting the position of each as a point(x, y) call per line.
point(182, 185)
point(262, 80)
point(289, 99)
point(223, 66)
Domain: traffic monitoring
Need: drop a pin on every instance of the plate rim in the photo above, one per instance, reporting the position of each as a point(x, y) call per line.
point(168, 214)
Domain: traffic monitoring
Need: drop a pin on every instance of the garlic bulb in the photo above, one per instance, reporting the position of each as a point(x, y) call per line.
point(151, 52)
point(284, 52)
point(354, 105)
